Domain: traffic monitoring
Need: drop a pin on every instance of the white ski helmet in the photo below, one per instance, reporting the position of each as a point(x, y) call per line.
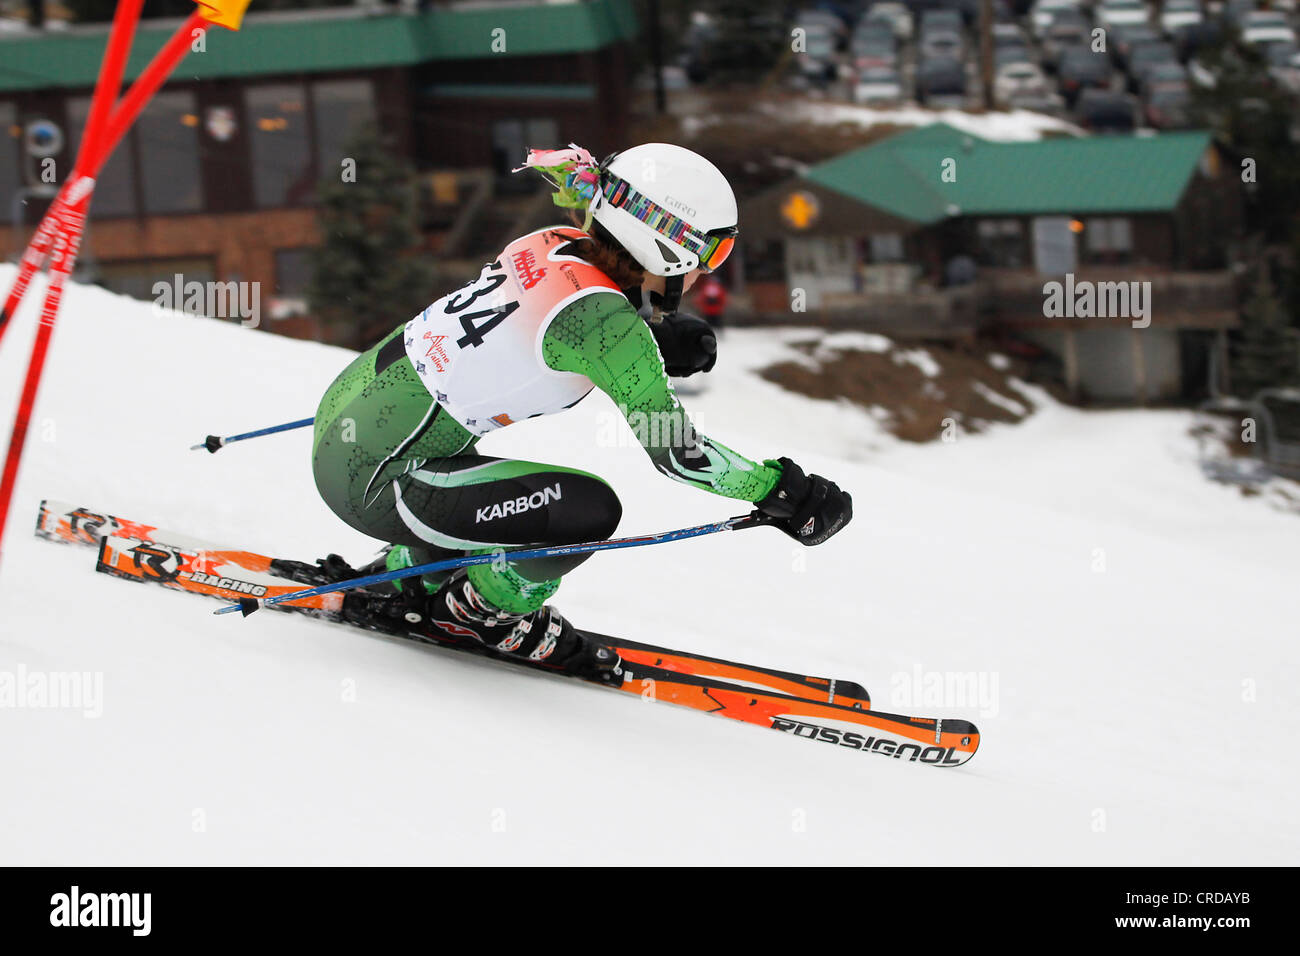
point(670, 208)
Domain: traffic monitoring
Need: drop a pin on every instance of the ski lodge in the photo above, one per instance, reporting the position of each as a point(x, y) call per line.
point(217, 178)
point(936, 233)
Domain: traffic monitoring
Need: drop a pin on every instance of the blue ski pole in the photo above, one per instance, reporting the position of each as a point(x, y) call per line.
point(752, 520)
point(213, 442)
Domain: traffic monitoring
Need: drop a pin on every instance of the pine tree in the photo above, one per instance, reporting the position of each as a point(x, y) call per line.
point(1267, 351)
point(369, 273)
point(1251, 118)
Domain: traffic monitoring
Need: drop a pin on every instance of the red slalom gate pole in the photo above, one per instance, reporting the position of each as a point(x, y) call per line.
point(61, 230)
point(148, 82)
point(125, 18)
point(107, 88)
point(64, 251)
point(95, 152)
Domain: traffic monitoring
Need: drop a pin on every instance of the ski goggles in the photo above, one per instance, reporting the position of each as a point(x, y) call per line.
point(711, 248)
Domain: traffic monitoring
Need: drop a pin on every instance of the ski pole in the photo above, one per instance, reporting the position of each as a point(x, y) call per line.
point(212, 443)
point(752, 520)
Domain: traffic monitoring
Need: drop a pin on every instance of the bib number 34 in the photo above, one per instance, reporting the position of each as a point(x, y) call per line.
point(479, 323)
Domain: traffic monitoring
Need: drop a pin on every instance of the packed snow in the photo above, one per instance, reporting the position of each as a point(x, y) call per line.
point(1122, 631)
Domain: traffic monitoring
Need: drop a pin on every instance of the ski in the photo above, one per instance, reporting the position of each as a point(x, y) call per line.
point(937, 742)
point(256, 575)
point(835, 712)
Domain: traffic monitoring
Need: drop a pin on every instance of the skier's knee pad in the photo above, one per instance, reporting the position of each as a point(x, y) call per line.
point(596, 515)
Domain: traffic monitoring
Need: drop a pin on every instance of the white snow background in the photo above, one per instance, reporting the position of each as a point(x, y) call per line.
point(1136, 622)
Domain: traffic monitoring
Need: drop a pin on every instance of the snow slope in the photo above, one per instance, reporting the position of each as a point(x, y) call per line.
point(1113, 604)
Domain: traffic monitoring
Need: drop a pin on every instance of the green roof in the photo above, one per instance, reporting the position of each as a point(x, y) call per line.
point(514, 91)
point(904, 175)
point(325, 42)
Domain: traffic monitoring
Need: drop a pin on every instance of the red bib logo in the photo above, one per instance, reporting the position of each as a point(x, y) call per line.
point(524, 261)
point(436, 353)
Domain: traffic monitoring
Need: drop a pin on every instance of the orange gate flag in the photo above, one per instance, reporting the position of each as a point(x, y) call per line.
point(224, 13)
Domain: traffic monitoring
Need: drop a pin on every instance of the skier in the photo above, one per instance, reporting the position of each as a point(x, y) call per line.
point(551, 318)
point(713, 301)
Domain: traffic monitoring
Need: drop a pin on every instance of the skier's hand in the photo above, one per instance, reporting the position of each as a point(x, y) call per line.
point(809, 508)
point(687, 343)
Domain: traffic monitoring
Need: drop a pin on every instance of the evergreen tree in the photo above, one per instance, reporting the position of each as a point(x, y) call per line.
point(1252, 119)
point(369, 273)
point(1267, 350)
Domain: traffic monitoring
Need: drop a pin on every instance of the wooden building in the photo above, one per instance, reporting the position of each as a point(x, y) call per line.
point(216, 180)
point(937, 233)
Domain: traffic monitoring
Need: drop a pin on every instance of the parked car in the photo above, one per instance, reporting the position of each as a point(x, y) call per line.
point(817, 62)
point(1193, 37)
point(826, 21)
point(1103, 111)
point(1081, 69)
point(1046, 102)
point(941, 83)
point(874, 51)
point(942, 44)
point(1044, 12)
point(1234, 11)
point(939, 19)
point(1018, 80)
point(1008, 34)
point(1179, 13)
point(875, 29)
point(1004, 55)
point(897, 15)
point(1163, 77)
point(878, 86)
point(1168, 109)
point(1283, 59)
point(1122, 39)
point(1145, 56)
point(1061, 36)
point(1266, 26)
point(1114, 13)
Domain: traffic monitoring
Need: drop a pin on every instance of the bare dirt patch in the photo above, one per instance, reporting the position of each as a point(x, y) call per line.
point(966, 388)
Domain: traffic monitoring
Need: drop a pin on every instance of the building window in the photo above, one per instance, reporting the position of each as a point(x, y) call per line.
point(511, 140)
point(281, 146)
point(11, 177)
point(1108, 240)
point(292, 271)
point(167, 137)
point(137, 279)
point(1001, 243)
point(887, 247)
point(341, 108)
point(764, 260)
point(115, 184)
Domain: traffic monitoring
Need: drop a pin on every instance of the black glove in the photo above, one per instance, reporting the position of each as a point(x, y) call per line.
point(809, 508)
point(686, 342)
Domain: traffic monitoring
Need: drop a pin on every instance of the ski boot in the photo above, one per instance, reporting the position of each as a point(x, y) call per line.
point(542, 637)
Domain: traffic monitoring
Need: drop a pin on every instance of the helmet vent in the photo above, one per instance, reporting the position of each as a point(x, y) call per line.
point(667, 252)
